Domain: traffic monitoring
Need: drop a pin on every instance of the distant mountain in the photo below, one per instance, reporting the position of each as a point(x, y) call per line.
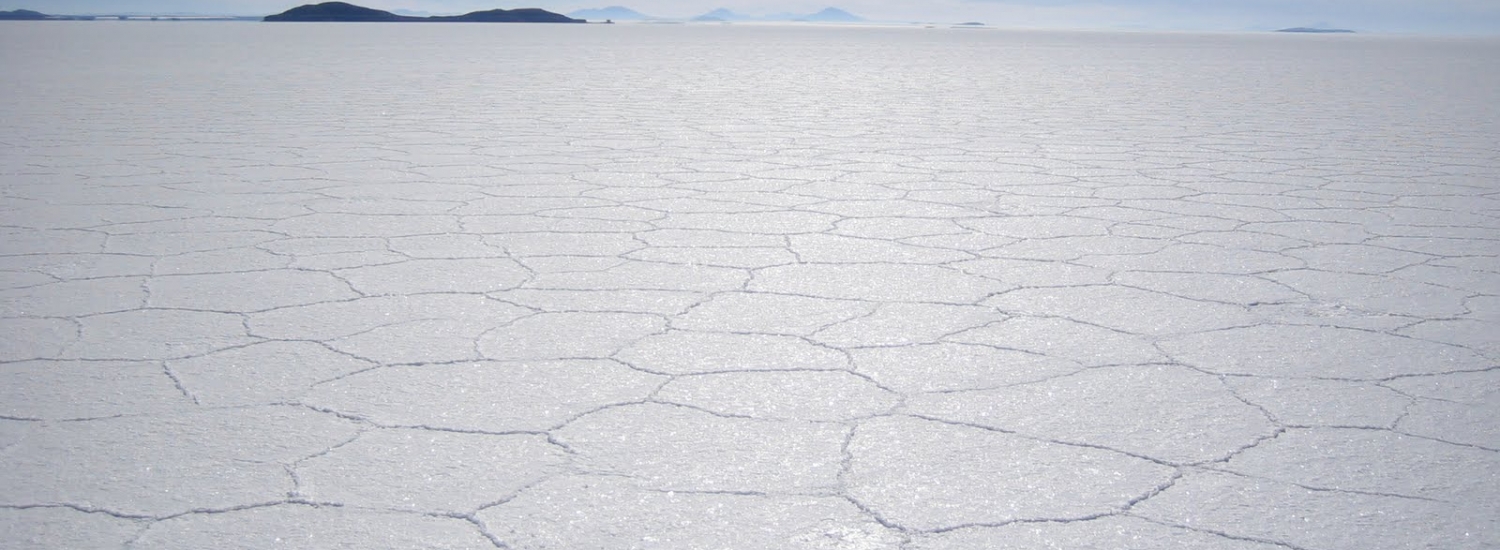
point(345, 12)
point(337, 11)
point(828, 15)
point(1314, 30)
point(614, 13)
point(722, 14)
point(22, 15)
point(833, 15)
point(519, 15)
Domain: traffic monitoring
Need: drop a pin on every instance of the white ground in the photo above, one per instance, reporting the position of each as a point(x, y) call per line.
point(953, 290)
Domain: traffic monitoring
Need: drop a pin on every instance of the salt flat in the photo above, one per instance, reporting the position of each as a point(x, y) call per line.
point(639, 286)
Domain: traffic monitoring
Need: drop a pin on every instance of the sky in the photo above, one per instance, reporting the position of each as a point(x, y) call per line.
point(1402, 16)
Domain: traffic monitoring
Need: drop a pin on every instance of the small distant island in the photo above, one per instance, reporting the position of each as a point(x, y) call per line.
point(22, 15)
point(343, 12)
point(1314, 30)
point(29, 15)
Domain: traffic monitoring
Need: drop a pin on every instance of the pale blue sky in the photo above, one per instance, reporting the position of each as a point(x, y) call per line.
point(1446, 16)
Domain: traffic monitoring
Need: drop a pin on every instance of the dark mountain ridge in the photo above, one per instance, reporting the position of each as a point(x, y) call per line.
point(346, 12)
point(22, 15)
point(518, 15)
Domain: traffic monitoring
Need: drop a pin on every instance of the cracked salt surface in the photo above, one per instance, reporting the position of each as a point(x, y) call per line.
point(746, 287)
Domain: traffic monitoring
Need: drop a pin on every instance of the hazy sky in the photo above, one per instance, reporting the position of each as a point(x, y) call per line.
point(1448, 16)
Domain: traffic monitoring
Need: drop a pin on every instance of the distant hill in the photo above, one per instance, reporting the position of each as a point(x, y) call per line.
point(834, 15)
point(616, 13)
point(519, 15)
point(1314, 30)
point(345, 12)
point(828, 15)
point(337, 11)
point(22, 15)
point(722, 14)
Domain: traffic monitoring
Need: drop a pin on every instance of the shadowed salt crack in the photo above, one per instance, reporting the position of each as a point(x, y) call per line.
point(1222, 534)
